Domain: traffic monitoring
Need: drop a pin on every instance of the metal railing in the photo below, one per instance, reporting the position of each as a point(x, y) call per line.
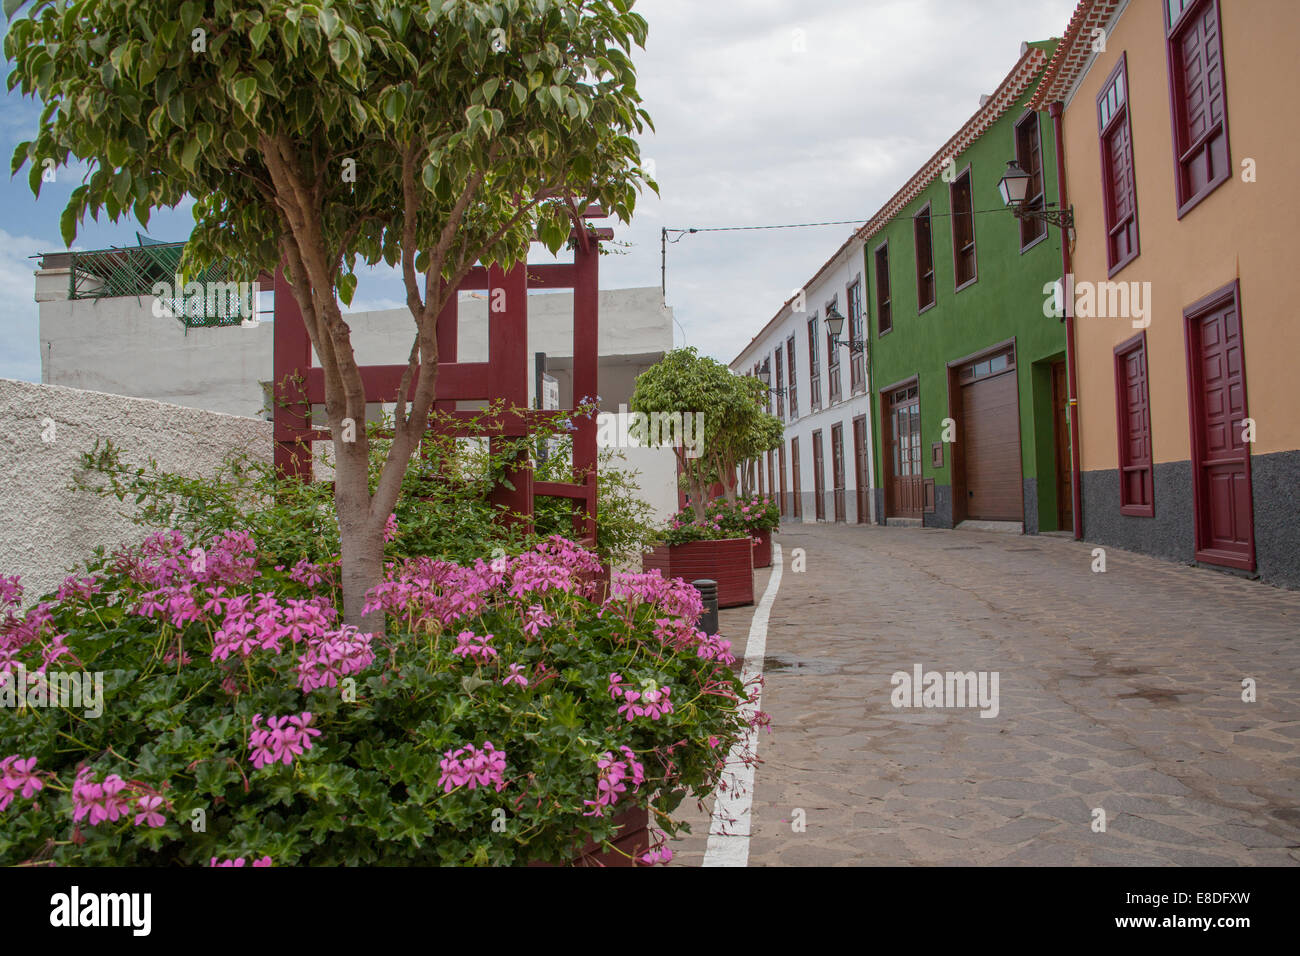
point(212, 298)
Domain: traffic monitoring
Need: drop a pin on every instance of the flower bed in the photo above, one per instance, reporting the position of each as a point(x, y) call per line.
point(729, 561)
point(506, 717)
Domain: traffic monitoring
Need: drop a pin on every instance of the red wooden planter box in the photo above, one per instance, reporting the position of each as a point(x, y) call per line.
point(729, 561)
point(763, 549)
point(632, 843)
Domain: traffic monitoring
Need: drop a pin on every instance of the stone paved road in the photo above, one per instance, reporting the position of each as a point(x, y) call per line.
point(1120, 691)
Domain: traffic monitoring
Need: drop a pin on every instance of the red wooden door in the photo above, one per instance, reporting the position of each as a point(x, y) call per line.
point(819, 476)
point(780, 470)
point(837, 470)
point(1225, 532)
point(905, 491)
point(794, 469)
point(860, 466)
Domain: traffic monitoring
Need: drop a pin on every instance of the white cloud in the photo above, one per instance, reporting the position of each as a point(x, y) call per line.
point(20, 350)
point(750, 131)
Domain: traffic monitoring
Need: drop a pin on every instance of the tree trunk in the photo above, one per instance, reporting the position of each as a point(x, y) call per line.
point(361, 534)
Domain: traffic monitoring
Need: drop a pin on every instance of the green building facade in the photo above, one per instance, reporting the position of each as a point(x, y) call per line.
point(967, 368)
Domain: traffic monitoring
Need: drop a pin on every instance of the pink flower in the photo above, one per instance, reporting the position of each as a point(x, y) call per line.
point(239, 861)
point(629, 706)
point(469, 644)
point(655, 702)
point(536, 619)
point(334, 656)
point(17, 774)
point(660, 854)
point(610, 780)
point(11, 591)
point(98, 802)
point(474, 767)
point(150, 814)
point(283, 739)
point(390, 528)
point(515, 676)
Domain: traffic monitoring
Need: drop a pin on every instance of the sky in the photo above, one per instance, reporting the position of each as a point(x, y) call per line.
point(766, 112)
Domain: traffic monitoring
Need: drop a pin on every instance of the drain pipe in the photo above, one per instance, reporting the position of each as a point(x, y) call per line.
point(1067, 301)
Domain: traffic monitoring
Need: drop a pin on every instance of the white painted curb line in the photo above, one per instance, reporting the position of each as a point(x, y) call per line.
point(728, 840)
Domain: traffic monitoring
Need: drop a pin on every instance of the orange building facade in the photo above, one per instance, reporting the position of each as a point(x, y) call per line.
point(1183, 169)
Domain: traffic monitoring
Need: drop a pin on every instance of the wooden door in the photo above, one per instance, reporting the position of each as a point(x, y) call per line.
point(837, 470)
point(819, 476)
point(990, 437)
point(860, 482)
point(1225, 532)
point(905, 490)
point(780, 471)
point(794, 468)
point(1061, 420)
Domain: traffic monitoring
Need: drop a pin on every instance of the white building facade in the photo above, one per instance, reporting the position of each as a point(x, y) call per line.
point(819, 389)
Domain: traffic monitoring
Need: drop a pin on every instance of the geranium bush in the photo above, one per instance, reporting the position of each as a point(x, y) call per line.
point(744, 517)
point(685, 527)
point(505, 716)
point(750, 515)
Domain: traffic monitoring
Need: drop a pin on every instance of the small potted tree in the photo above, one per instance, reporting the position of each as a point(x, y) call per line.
point(735, 427)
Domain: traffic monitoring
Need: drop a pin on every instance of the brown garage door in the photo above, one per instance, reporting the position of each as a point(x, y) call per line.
point(991, 440)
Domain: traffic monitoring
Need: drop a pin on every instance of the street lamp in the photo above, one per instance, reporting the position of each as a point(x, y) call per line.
point(835, 325)
point(1014, 189)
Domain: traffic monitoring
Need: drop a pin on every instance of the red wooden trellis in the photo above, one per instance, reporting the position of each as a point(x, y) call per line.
point(504, 376)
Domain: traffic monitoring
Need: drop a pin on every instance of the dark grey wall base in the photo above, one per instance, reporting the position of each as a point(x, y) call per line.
point(1031, 505)
point(879, 494)
point(1275, 481)
point(942, 517)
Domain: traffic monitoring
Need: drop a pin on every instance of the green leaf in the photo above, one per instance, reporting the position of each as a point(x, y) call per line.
point(329, 22)
point(190, 153)
point(347, 285)
point(340, 49)
point(244, 90)
point(257, 36)
point(68, 225)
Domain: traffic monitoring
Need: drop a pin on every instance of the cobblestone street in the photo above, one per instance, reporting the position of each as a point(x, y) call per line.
point(1119, 691)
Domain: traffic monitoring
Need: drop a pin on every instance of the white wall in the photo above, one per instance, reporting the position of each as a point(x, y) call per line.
point(847, 267)
point(48, 527)
point(117, 345)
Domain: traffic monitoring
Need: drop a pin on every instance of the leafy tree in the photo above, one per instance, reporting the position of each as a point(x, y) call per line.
point(735, 425)
point(323, 135)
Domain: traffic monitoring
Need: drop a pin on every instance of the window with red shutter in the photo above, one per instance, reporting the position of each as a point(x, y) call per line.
point(814, 368)
point(963, 230)
point(1118, 183)
point(1029, 157)
point(1133, 406)
point(924, 259)
point(857, 336)
point(780, 384)
point(794, 392)
point(1198, 103)
point(884, 312)
point(833, 357)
